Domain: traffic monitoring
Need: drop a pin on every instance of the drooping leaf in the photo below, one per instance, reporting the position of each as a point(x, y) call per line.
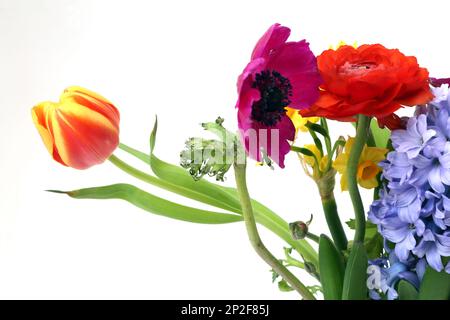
point(355, 286)
point(406, 291)
point(153, 204)
point(435, 285)
point(304, 151)
point(317, 128)
point(332, 269)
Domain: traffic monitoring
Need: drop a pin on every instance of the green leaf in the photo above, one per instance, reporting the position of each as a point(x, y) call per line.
point(374, 246)
point(176, 179)
point(304, 151)
point(355, 286)
point(435, 285)
point(153, 204)
point(406, 291)
point(332, 269)
point(284, 286)
point(317, 128)
point(381, 136)
point(373, 241)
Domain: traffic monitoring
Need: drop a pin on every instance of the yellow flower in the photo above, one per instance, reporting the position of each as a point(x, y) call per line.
point(322, 161)
point(367, 167)
point(341, 44)
point(298, 121)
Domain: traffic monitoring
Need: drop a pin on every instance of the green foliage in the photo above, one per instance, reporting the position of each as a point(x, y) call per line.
point(406, 291)
point(380, 136)
point(153, 204)
point(435, 285)
point(373, 241)
point(355, 287)
point(332, 269)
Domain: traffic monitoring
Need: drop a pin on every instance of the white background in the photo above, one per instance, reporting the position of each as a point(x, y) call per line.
point(180, 60)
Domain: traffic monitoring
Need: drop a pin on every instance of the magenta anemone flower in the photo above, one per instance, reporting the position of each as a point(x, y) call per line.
point(280, 74)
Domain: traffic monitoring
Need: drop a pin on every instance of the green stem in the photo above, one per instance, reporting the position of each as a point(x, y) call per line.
point(362, 131)
point(255, 240)
point(313, 237)
point(334, 223)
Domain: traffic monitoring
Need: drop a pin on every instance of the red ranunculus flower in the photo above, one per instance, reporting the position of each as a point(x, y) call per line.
point(369, 80)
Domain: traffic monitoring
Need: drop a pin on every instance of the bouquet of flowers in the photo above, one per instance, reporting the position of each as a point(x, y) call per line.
point(401, 243)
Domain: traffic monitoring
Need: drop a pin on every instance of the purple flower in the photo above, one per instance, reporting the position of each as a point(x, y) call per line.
point(385, 275)
point(413, 211)
point(403, 234)
point(280, 74)
point(414, 138)
point(433, 246)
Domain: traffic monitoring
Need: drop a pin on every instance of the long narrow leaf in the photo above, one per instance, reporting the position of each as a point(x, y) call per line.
point(332, 269)
point(177, 180)
point(355, 286)
point(152, 203)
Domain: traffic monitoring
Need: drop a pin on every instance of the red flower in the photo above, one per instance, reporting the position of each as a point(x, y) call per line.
point(393, 122)
point(369, 80)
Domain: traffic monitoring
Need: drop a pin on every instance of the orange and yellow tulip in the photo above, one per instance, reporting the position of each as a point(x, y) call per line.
point(79, 131)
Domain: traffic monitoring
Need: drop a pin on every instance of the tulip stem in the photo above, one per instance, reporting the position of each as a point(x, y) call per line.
point(362, 133)
point(255, 240)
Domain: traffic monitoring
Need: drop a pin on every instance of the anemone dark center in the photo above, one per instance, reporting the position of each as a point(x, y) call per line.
point(275, 91)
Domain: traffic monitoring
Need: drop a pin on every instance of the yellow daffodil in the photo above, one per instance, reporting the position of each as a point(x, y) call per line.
point(367, 168)
point(321, 160)
point(299, 121)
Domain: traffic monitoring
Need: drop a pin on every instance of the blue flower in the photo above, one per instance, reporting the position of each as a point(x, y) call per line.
point(434, 246)
point(413, 210)
point(385, 275)
point(414, 138)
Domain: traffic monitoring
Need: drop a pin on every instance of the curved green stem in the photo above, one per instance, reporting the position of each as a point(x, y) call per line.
point(255, 240)
point(352, 168)
point(334, 223)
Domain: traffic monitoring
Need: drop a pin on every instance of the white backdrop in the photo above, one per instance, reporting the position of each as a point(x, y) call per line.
point(180, 60)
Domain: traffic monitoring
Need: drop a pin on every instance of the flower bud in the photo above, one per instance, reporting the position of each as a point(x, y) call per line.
point(299, 230)
point(80, 130)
